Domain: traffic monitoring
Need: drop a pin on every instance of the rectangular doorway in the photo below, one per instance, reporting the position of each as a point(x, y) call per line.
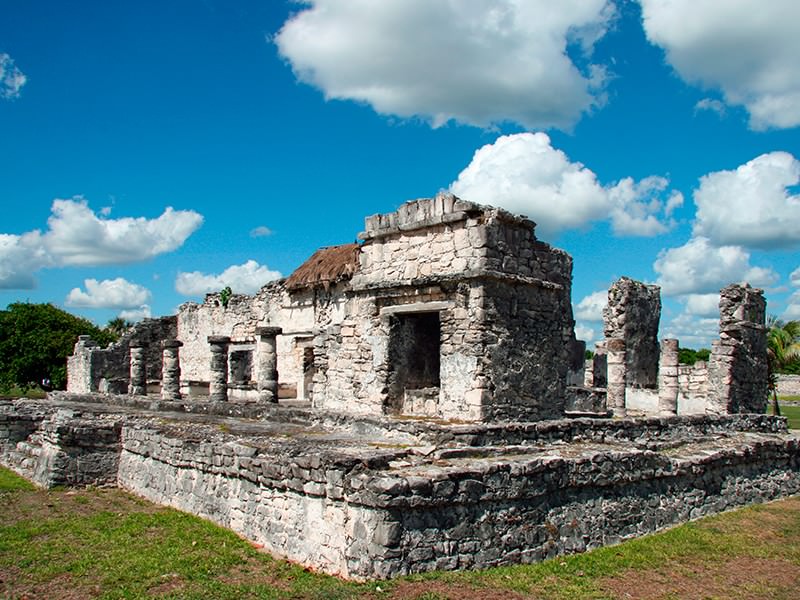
point(415, 341)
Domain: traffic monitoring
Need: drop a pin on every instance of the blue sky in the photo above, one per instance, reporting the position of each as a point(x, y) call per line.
point(153, 151)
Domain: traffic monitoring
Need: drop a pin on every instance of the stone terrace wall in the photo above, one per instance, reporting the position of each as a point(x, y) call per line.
point(737, 368)
point(57, 448)
point(632, 315)
point(363, 511)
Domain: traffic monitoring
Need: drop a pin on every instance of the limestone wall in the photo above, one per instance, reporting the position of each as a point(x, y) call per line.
point(59, 447)
point(446, 237)
point(502, 301)
point(632, 314)
point(737, 368)
point(789, 385)
point(482, 496)
point(90, 365)
point(692, 388)
point(196, 322)
point(299, 314)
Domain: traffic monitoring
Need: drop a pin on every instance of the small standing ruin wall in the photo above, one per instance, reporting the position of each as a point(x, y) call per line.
point(633, 314)
point(737, 368)
point(733, 380)
point(95, 369)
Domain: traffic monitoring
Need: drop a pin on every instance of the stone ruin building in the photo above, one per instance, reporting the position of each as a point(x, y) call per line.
point(447, 309)
point(418, 401)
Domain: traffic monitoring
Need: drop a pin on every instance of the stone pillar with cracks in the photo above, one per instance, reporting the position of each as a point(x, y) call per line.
point(668, 378)
point(218, 385)
point(617, 369)
point(170, 370)
point(267, 376)
point(138, 368)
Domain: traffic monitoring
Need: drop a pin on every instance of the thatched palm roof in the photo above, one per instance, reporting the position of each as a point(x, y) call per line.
point(325, 267)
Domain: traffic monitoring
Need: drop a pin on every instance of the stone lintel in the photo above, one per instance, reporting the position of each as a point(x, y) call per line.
point(269, 331)
point(171, 344)
point(219, 339)
point(470, 274)
point(417, 307)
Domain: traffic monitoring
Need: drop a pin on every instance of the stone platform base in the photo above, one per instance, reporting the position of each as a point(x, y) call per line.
point(379, 498)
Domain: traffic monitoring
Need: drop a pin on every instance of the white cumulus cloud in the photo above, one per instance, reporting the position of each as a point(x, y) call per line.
point(698, 267)
point(260, 231)
point(590, 308)
point(746, 48)
point(77, 236)
point(20, 257)
point(478, 62)
point(525, 174)
point(703, 305)
point(136, 314)
point(795, 276)
point(585, 333)
point(11, 78)
point(692, 331)
point(751, 206)
point(246, 278)
point(108, 293)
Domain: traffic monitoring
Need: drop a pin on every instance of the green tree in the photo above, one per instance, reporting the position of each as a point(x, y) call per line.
point(783, 350)
point(35, 340)
point(688, 356)
point(118, 326)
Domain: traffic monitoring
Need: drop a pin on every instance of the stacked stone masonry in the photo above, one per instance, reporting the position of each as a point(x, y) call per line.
point(398, 405)
point(450, 310)
point(738, 375)
point(436, 497)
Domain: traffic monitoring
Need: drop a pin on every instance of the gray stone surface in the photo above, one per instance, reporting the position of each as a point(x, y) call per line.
point(737, 368)
point(632, 314)
point(138, 368)
point(377, 497)
point(668, 381)
point(218, 386)
point(171, 370)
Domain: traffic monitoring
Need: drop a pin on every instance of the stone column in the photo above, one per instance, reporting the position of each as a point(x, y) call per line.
point(267, 374)
point(668, 378)
point(138, 372)
point(738, 374)
point(615, 390)
point(218, 386)
point(170, 370)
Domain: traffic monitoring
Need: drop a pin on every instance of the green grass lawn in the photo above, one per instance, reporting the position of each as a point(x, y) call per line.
point(16, 392)
point(108, 544)
point(792, 413)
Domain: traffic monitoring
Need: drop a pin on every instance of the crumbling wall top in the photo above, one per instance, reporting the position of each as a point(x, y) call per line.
point(741, 305)
point(428, 212)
